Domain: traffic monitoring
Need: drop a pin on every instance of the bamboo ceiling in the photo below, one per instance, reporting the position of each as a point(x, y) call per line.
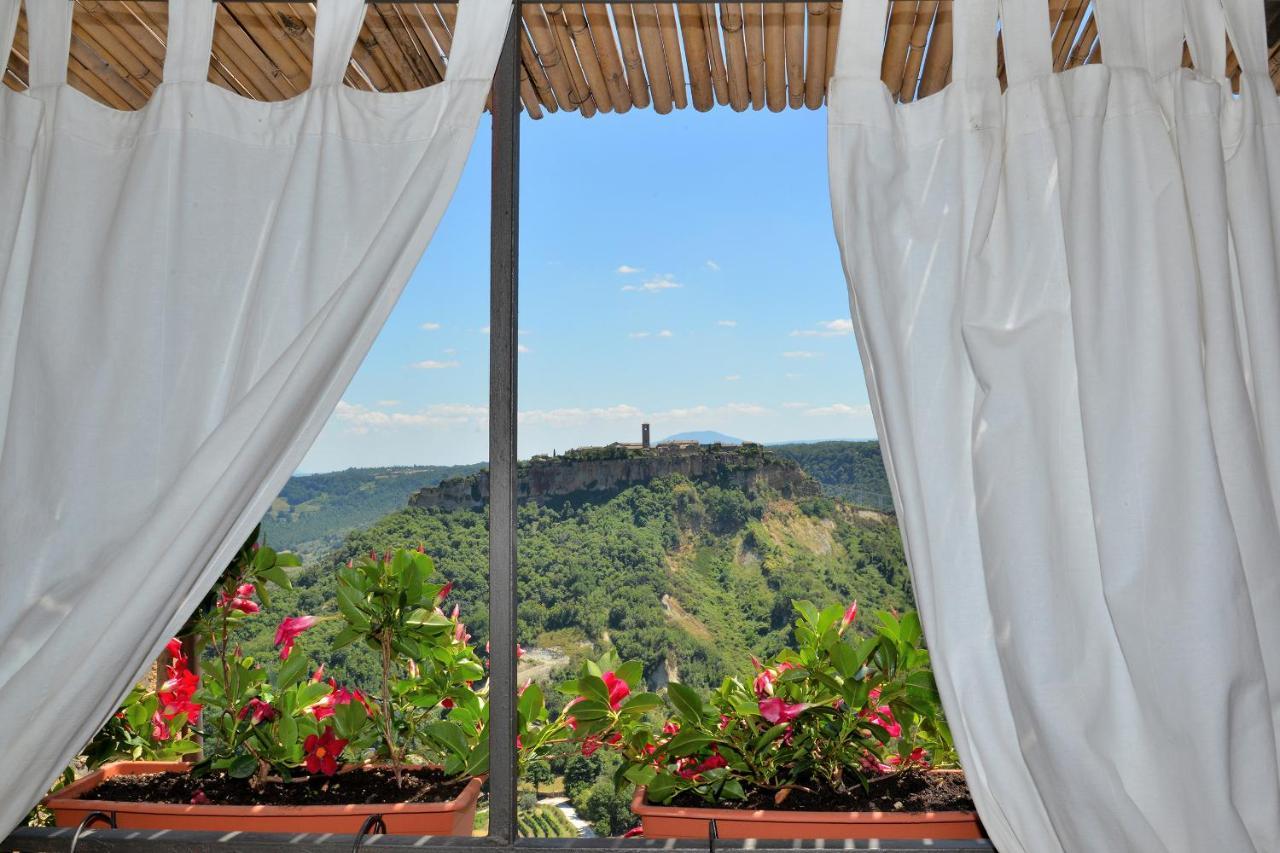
point(579, 57)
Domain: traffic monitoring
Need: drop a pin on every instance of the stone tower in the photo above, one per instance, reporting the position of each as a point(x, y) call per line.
point(644, 436)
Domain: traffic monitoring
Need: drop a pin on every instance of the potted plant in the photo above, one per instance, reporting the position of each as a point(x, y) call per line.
point(838, 737)
point(292, 750)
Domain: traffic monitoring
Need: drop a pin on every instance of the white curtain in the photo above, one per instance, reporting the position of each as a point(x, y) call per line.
point(1067, 302)
point(187, 290)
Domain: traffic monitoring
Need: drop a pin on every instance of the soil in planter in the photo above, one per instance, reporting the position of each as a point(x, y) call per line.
point(913, 791)
point(377, 785)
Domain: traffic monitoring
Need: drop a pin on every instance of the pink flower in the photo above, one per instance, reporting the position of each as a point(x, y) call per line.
point(634, 832)
point(289, 630)
point(670, 727)
point(850, 613)
point(446, 703)
point(174, 648)
point(882, 715)
point(444, 591)
point(871, 764)
point(618, 689)
point(915, 759)
point(764, 683)
point(776, 711)
point(322, 751)
point(259, 709)
point(590, 745)
point(199, 798)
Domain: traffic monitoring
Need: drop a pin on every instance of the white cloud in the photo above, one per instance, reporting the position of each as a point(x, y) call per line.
point(712, 265)
point(432, 364)
point(522, 348)
point(666, 333)
point(430, 327)
point(484, 330)
point(728, 323)
point(575, 416)
point(361, 419)
point(800, 354)
point(628, 270)
point(654, 285)
point(388, 404)
point(795, 405)
point(663, 333)
point(450, 350)
point(829, 329)
point(840, 410)
point(732, 378)
point(637, 335)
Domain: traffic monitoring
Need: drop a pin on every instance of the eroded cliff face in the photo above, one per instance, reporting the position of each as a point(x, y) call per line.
point(610, 469)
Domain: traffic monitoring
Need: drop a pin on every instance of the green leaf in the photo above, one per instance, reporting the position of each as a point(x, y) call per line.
point(641, 774)
point(845, 660)
point(310, 693)
point(807, 612)
point(347, 604)
point(242, 766)
point(531, 704)
point(294, 668)
point(288, 731)
point(631, 672)
point(276, 575)
point(685, 700)
point(662, 788)
point(638, 703)
point(448, 736)
point(345, 637)
point(687, 743)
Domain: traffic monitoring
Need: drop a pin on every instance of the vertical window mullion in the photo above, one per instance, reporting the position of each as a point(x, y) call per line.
point(504, 238)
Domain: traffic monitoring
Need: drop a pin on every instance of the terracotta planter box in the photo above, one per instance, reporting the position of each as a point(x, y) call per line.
point(450, 818)
point(678, 822)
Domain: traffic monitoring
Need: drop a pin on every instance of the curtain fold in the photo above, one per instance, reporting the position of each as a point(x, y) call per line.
point(1067, 302)
point(187, 290)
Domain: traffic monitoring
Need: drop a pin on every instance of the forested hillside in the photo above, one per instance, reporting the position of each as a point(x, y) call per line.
point(315, 511)
point(688, 577)
point(852, 470)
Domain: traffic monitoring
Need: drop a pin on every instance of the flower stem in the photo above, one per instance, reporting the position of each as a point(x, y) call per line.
point(386, 708)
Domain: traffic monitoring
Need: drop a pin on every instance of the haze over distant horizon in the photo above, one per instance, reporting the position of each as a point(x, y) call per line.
point(678, 269)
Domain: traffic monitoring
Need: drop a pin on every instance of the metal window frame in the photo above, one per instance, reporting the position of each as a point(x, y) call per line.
point(504, 279)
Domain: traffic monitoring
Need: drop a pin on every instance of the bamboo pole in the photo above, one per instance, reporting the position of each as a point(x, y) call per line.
point(624, 22)
point(1084, 44)
point(937, 61)
point(286, 75)
point(424, 39)
point(719, 74)
point(775, 59)
point(549, 56)
point(925, 13)
point(695, 51)
point(1067, 25)
point(793, 40)
point(671, 51)
point(606, 46)
point(753, 31)
point(732, 22)
point(410, 68)
point(580, 32)
point(88, 54)
point(651, 44)
point(902, 17)
point(113, 55)
point(295, 66)
point(581, 94)
point(815, 70)
point(141, 65)
point(834, 12)
point(536, 73)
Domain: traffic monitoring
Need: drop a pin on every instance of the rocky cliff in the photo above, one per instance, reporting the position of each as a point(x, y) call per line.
point(543, 479)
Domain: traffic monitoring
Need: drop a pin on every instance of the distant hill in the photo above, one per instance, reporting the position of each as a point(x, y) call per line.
point(706, 436)
point(315, 511)
point(851, 470)
point(690, 574)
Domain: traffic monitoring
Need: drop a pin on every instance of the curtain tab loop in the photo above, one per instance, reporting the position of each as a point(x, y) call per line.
point(8, 26)
point(1024, 25)
point(49, 26)
point(1206, 33)
point(1146, 35)
point(974, 37)
point(860, 48)
point(1247, 24)
point(479, 30)
point(189, 41)
point(338, 24)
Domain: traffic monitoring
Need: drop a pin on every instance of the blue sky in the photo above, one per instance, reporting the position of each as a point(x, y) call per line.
point(678, 269)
